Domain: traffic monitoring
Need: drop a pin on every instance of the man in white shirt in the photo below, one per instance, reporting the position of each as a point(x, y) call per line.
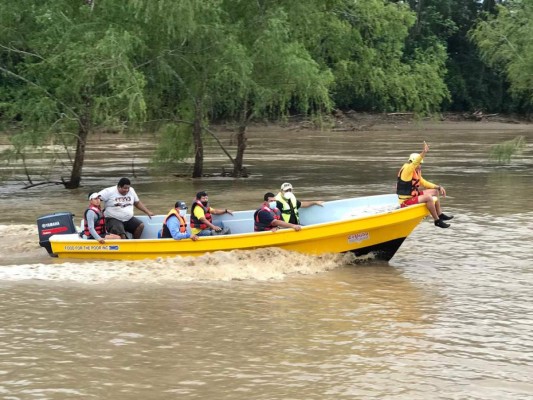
point(119, 201)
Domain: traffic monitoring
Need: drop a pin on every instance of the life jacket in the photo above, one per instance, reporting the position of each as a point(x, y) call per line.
point(408, 188)
point(287, 208)
point(195, 222)
point(183, 224)
point(99, 226)
point(261, 226)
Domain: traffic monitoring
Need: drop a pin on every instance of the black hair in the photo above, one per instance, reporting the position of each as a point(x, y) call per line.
point(267, 195)
point(123, 182)
point(199, 195)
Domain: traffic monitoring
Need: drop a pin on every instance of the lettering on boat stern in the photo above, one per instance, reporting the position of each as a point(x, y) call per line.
point(98, 247)
point(358, 237)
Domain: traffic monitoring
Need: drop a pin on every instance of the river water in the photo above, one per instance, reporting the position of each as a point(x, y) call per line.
point(449, 317)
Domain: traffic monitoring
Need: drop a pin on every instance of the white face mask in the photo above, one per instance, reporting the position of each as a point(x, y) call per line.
point(272, 205)
point(288, 195)
point(183, 213)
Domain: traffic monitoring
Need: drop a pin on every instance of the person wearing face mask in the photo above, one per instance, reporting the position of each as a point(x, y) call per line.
point(175, 224)
point(289, 205)
point(268, 216)
point(202, 220)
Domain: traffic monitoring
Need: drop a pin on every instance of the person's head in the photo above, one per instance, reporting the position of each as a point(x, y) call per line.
point(94, 199)
point(202, 197)
point(286, 190)
point(413, 157)
point(123, 186)
point(270, 198)
point(181, 207)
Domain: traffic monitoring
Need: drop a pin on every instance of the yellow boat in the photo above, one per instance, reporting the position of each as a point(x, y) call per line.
point(373, 224)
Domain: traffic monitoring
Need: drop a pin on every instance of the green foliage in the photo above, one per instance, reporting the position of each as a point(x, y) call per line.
point(506, 42)
point(503, 152)
point(175, 144)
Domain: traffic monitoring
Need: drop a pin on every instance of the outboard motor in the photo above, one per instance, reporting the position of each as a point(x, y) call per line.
point(54, 224)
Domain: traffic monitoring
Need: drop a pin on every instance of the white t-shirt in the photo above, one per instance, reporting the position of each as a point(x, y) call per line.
point(117, 205)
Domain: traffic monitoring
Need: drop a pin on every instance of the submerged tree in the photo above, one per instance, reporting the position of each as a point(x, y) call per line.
point(74, 71)
point(503, 152)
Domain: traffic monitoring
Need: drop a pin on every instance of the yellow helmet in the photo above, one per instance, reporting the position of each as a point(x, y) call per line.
point(414, 156)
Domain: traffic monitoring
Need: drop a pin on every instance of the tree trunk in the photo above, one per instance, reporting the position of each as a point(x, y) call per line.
point(238, 169)
point(84, 126)
point(198, 144)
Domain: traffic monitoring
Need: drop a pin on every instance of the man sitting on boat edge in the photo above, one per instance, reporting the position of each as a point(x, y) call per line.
point(408, 188)
point(175, 225)
point(268, 216)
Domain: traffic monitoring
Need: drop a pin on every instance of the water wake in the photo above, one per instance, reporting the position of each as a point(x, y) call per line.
point(27, 261)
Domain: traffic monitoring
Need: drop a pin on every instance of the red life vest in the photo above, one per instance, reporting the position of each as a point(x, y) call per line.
point(408, 188)
point(195, 222)
point(261, 226)
point(183, 224)
point(99, 226)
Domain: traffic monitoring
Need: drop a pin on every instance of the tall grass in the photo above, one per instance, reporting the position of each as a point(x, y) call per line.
point(503, 152)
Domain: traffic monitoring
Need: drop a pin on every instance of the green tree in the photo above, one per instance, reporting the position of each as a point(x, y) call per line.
point(273, 72)
point(363, 43)
point(74, 71)
point(506, 42)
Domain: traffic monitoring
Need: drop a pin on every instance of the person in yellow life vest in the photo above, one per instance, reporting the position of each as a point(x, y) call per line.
point(410, 182)
point(268, 217)
point(289, 205)
point(94, 221)
point(175, 224)
point(202, 217)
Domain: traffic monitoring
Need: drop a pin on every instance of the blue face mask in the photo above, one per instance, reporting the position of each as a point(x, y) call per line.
point(183, 212)
point(272, 205)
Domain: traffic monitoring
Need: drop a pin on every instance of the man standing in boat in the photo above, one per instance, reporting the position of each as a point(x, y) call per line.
point(268, 216)
point(287, 203)
point(202, 220)
point(408, 188)
point(119, 201)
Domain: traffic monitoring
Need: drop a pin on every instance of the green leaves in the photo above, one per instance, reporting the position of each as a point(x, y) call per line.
point(503, 152)
point(506, 42)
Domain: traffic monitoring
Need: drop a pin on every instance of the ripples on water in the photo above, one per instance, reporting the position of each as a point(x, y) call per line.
point(448, 318)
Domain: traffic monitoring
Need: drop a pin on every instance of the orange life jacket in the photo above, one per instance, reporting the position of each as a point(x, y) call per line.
point(183, 224)
point(408, 188)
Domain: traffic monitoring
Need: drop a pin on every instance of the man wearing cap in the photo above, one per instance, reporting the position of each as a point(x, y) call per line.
point(94, 221)
point(408, 188)
point(202, 220)
point(289, 205)
point(175, 224)
point(119, 202)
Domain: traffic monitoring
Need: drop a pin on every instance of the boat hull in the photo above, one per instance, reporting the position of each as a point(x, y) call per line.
point(381, 234)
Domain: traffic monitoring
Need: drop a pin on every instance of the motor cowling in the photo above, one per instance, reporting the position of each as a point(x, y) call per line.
point(60, 223)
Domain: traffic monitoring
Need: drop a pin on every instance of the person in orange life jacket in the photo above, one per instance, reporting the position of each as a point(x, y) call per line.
point(408, 188)
point(94, 221)
point(288, 205)
point(175, 224)
point(202, 220)
point(268, 216)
